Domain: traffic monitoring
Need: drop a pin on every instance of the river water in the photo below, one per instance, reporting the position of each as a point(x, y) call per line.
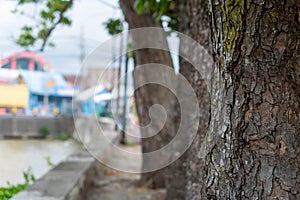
point(17, 156)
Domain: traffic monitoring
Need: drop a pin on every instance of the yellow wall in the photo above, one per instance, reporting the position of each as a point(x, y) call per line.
point(14, 96)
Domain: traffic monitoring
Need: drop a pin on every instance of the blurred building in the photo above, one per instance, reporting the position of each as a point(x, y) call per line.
point(14, 93)
point(25, 61)
point(27, 85)
point(89, 77)
point(49, 93)
point(95, 100)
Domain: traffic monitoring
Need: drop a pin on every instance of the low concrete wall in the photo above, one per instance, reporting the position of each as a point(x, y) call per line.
point(23, 127)
point(68, 180)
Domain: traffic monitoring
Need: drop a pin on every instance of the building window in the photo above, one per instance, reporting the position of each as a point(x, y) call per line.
point(6, 66)
point(38, 66)
point(22, 63)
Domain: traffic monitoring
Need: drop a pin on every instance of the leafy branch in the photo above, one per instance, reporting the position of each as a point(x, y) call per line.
point(114, 26)
point(52, 16)
point(164, 10)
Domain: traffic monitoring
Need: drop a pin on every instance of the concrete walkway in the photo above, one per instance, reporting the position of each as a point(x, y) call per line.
point(116, 185)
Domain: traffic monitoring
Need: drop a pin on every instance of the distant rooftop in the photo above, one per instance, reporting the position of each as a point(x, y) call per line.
point(25, 60)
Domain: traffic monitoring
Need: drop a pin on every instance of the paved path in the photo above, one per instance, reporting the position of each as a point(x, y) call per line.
point(115, 185)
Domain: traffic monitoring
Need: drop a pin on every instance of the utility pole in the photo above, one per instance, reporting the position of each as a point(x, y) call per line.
point(118, 83)
point(123, 131)
point(112, 72)
point(82, 44)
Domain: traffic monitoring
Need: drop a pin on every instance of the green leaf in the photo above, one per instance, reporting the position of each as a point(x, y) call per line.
point(51, 44)
point(26, 40)
point(20, 2)
point(9, 191)
point(139, 6)
point(129, 50)
point(114, 26)
point(66, 21)
point(26, 28)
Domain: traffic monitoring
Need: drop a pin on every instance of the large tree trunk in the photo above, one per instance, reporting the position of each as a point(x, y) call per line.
point(183, 181)
point(252, 149)
point(149, 95)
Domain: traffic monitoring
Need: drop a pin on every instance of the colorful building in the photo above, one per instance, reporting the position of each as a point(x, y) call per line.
point(35, 92)
point(25, 61)
point(28, 85)
point(14, 93)
point(49, 93)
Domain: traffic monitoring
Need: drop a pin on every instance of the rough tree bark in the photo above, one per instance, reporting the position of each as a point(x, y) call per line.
point(252, 149)
point(149, 95)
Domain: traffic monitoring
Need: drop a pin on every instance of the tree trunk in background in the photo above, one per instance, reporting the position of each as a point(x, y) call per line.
point(149, 95)
point(252, 149)
point(176, 172)
point(184, 180)
point(198, 12)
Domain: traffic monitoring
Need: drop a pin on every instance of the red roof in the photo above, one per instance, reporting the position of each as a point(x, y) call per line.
point(27, 54)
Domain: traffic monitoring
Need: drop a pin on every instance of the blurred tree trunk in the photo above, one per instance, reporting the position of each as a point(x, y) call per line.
point(149, 95)
point(198, 12)
point(176, 179)
point(184, 174)
point(252, 149)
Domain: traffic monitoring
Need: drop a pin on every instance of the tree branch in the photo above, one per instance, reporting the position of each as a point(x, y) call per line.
point(52, 28)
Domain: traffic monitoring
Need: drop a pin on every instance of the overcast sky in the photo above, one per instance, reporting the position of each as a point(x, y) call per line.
point(65, 57)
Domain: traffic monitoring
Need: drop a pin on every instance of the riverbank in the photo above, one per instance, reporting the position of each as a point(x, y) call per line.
point(17, 156)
